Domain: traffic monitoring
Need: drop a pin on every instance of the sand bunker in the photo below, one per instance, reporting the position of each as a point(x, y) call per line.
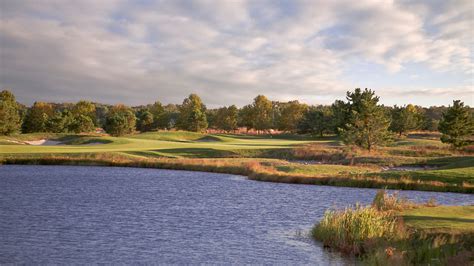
point(43, 142)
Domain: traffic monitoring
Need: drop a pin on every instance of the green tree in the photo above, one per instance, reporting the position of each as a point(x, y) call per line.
point(192, 115)
point(120, 120)
point(171, 115)
point(290, 115)
point(101, 111)
point(37, 117)
point(368, 121)
point(10, 121)
point(227, 118)
point(405, 119)
point(340, 115)
point(145, 120)
point(246, 117)
point(432, 116)
point(160, 116)
point(85, 108)
point(57, 123)
point(262, 113)
point(316, 121)
point(211, 117)
point(457, 125)
point(81, 123)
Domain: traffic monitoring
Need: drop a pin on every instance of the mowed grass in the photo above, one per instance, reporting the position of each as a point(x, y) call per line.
point(451, 170)
point(326, 169)
point(170, 143)
point(441, 218)
point(336, 164)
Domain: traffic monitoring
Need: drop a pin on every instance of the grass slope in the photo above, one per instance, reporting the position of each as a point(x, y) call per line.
point(441, 218)
point(453, 173)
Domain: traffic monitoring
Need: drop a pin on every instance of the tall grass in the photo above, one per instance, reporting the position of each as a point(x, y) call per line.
point(378, 235)
point(351, 230)
point(253, 168)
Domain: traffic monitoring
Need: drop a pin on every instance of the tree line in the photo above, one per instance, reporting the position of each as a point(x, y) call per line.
point(360, 120)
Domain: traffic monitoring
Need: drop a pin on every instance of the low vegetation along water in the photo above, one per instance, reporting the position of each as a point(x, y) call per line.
point(70, 214)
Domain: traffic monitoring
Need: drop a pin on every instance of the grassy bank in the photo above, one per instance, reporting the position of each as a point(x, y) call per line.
point(286, 158)
point(269, 170)
point(394, 231)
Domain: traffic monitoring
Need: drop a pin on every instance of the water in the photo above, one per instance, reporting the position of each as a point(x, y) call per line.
point(67, 214)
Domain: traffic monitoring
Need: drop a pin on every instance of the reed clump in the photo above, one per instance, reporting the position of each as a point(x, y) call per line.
point(353, 229)
point(377, 235)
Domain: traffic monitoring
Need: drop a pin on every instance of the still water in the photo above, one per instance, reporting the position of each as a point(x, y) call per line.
point(69, 214)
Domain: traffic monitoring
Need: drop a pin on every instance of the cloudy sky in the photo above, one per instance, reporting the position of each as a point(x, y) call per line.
point(228, 51)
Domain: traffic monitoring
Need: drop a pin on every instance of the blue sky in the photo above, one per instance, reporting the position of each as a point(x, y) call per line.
point(229, 51)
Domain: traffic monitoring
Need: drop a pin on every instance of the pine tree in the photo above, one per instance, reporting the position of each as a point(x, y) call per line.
point(368, 122)
point(457, 125)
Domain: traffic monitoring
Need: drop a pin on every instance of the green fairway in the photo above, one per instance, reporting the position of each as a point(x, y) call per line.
point(302, 159)
point(460, 218)
point(169, 143)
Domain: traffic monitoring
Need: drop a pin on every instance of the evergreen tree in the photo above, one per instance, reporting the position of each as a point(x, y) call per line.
point(340, 115)
point(368, 121)
point(10, 121)
point(457, 125)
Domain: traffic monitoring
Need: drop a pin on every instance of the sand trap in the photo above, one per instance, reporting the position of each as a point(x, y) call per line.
point(43, 142)
point(14, 141)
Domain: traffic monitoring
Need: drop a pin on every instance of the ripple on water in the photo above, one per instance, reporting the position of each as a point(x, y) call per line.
point(66, 214)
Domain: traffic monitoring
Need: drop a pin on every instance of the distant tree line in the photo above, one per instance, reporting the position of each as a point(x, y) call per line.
point(360, 120)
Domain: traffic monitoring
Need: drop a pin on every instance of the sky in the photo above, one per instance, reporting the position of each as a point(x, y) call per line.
point(229, 51)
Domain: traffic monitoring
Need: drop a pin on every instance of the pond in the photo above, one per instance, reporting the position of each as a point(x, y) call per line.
point(74, 214)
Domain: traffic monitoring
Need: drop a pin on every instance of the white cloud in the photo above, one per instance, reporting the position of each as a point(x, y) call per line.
point(226, 51)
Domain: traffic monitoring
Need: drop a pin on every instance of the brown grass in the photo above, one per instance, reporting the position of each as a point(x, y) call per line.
point(260, 170)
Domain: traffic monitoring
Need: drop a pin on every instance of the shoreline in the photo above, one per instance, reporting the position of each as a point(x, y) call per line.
point(252, 169)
